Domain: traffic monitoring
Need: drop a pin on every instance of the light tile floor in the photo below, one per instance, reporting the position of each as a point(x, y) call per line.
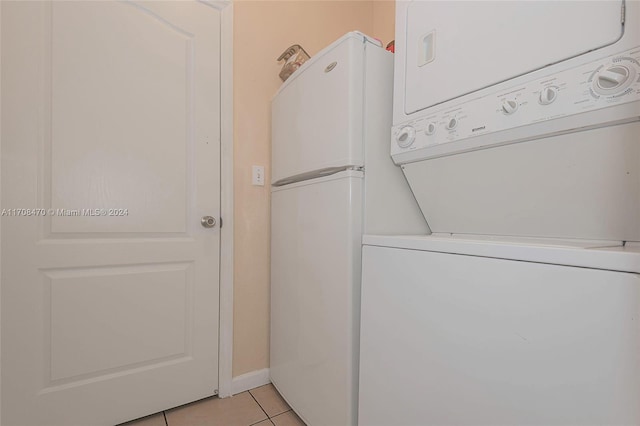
point(261, 406)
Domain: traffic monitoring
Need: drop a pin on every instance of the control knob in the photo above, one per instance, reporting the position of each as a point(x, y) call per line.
point(509, 106)
point(406, 136)
point(431, 129)
point(548, 95)
point(614, 79)
point(452, 123)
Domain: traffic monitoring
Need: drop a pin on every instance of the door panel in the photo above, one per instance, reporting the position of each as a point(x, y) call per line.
point(109, 316)
point(83, 344)
point(99, 157)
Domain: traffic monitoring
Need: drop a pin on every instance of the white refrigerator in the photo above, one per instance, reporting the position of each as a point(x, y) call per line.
point(332, 180)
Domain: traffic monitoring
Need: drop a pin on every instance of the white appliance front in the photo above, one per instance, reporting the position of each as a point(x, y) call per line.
point(455, 48)
point(583, 185)
point(521, 118)
point(315, 296)
point(331, 116)
point(461, 332)
point(305, 142)
point(476, 62)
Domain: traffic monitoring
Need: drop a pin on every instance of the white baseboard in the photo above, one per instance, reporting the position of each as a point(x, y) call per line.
point(250, 380)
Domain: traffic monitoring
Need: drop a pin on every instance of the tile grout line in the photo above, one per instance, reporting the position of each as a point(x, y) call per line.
point(279, 414)
point(270, 418)
point(166, 422)
point(265, 413)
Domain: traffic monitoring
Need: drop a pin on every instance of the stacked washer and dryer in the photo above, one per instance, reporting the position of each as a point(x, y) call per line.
point(517, 126)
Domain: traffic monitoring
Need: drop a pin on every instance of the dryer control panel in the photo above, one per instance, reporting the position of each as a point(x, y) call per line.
point(587, 96)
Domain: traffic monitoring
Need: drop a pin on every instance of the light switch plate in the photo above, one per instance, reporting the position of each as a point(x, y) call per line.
point(257, 175)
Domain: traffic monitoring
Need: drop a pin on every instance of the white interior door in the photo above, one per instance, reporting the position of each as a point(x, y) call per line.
point(110, 126)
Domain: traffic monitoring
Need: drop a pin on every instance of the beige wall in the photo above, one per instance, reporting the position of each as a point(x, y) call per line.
point(384, 12)
point(262, 31)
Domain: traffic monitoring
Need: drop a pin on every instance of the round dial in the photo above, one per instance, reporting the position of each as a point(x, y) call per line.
point(431, 129)
point(548, 95)
point(509, 106)
point(452, 123)
point(406, 136)
point(614, 79)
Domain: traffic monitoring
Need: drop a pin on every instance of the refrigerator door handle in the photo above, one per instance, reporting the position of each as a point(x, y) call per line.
point(313, 174)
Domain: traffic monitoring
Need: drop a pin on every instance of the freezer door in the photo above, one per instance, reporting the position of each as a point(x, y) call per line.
point(457, 47)
point(315, 296)
point(317, 116)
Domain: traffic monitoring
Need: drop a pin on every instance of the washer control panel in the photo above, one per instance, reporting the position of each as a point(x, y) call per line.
point(591, 87)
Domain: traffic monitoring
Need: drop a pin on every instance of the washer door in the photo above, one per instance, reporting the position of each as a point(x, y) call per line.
point(455, 48)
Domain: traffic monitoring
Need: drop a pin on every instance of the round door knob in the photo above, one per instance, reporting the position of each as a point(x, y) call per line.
point(406, 137)
point(208, 221)
point(509, 106)
point(548, 95)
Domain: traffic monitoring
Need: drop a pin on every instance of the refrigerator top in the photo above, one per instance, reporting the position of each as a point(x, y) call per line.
point(351, 35)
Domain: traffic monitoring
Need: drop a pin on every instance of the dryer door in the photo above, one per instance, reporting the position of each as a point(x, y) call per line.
point(455, 48)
